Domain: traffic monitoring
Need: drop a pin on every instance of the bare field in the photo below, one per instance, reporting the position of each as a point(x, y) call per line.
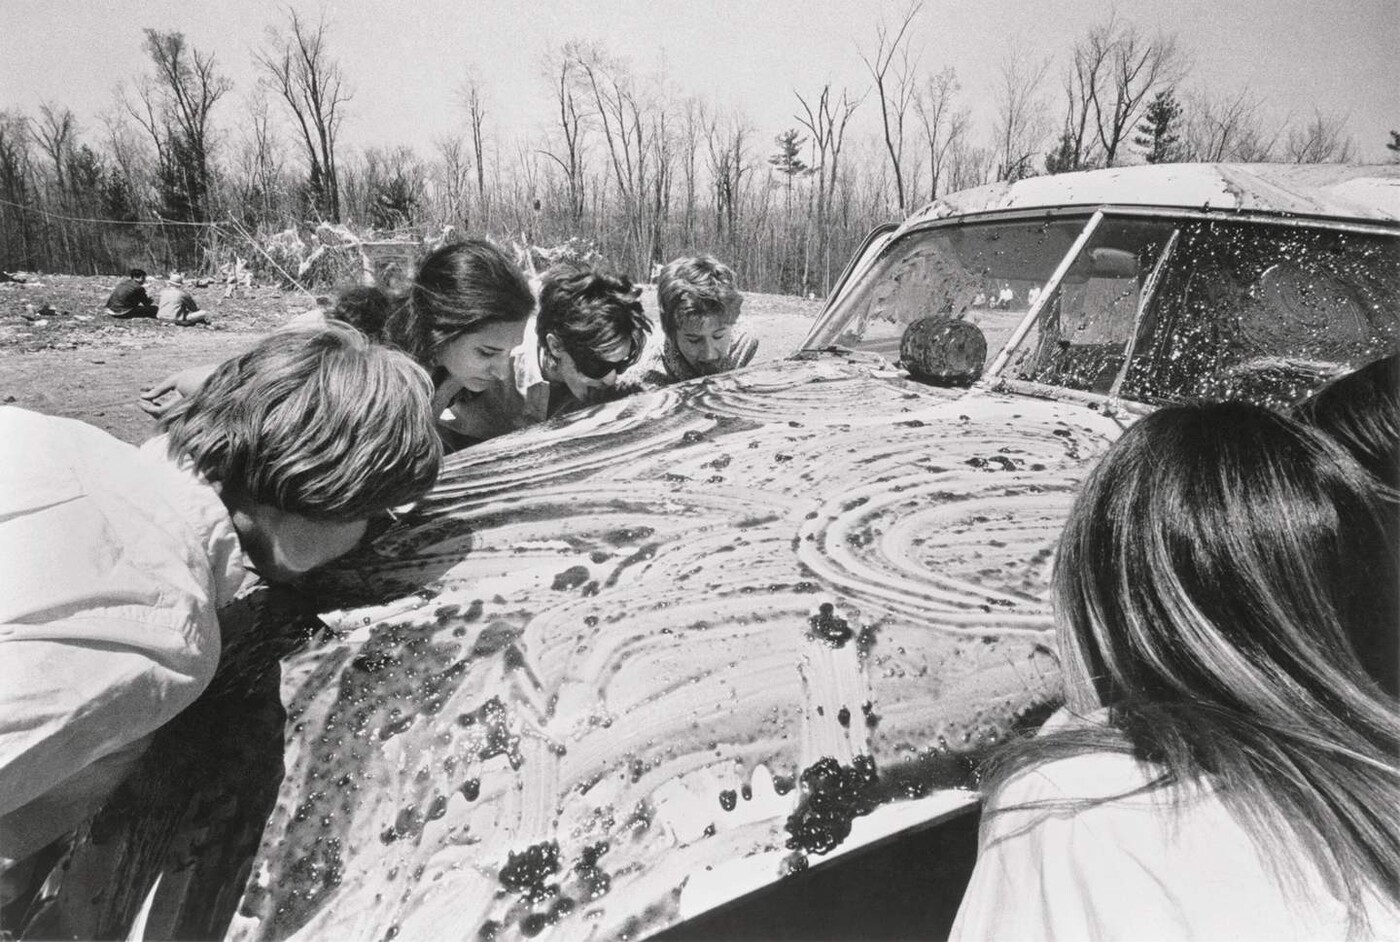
point(82, 364)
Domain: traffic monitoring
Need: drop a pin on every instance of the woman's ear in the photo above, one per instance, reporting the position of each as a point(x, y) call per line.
point(554, 345)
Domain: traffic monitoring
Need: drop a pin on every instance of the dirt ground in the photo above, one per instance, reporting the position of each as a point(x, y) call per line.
point(80, 363)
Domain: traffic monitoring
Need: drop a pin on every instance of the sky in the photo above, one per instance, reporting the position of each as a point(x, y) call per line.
point(406, 60)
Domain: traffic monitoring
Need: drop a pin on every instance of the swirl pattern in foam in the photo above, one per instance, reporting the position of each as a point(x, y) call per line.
point(631, 632)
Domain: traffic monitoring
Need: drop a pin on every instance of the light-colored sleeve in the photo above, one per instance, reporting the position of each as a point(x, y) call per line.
point(1061, 873)
point(72, 719)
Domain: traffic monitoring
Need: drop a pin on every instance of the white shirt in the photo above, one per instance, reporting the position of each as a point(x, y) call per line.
point(1135, 868)
point(113, 564)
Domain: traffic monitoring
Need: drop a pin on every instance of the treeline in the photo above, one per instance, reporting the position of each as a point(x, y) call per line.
point(182, 174)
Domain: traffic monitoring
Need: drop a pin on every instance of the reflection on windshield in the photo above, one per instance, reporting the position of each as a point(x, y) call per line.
point(989, 274)
point(1153, 309)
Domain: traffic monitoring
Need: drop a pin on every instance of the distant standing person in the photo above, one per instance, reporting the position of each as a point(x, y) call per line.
point(177, 305)
point(700, 309)
point(236, 277)
point(129, 298)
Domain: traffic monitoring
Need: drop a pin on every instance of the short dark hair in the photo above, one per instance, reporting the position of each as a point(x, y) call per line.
point(458, 289)
point(591, 310)
point(136, 274)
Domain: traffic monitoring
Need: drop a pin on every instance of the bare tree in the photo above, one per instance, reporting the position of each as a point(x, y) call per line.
point(621, 108)
point(260, 163)
point(16, 248)
point(968, 165)
point(298, 67)
point(1115, 68)
point(475, 105)
point(1227, 128)
point(175, 110)
point(692, 129)
point(453, 176)
point(1090, 63)
point(571, 116)
point(892, 67)
point(1138, 66)
point(1323, 140)
point(1021, 123)
point(943, 123)
point(725, 140)
point(827, 124)
point(56, 132)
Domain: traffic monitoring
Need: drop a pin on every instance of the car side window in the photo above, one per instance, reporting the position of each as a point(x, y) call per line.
point(1265, 312)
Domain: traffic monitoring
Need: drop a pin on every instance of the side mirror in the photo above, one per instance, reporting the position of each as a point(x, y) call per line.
point(943, 351)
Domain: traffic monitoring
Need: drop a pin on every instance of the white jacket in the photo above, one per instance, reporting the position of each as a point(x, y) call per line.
point(113, 563)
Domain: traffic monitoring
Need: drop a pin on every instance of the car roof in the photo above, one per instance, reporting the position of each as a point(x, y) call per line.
point(1370, 193)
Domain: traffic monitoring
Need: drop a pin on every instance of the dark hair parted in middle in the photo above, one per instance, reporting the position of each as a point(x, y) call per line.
point(458, 289)
point(591, 312)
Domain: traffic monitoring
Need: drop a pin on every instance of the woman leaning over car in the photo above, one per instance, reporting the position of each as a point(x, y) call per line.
point(464, 312)
point(1224, 768)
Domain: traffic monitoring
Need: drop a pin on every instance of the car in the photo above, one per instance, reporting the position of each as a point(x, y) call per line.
point(622, 671)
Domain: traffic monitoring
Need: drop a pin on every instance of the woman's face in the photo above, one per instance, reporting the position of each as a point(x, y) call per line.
point(704, 342)
point(481, 358)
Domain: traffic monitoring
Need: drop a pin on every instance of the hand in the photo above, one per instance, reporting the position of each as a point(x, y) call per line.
point(176, 386)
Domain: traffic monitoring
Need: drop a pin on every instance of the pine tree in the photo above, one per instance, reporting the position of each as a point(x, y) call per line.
point(786, 161)
point(1157, 133)
point(1061, 159)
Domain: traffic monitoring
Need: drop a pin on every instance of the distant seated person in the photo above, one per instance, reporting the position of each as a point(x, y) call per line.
point(589, 330)
point(177, 305)
point(699, 317)
point(129, 298)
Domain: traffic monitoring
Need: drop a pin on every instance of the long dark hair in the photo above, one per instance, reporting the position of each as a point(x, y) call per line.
point(458, 288)
point(1215, 577)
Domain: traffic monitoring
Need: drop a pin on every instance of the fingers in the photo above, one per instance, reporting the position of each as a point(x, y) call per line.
point(166, 385)
point(152, 408)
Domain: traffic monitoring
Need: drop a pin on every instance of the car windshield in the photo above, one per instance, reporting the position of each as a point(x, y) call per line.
point(987, 273)
point(1149, 307)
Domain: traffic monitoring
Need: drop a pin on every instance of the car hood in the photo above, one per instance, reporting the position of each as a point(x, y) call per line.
point(609, 655)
